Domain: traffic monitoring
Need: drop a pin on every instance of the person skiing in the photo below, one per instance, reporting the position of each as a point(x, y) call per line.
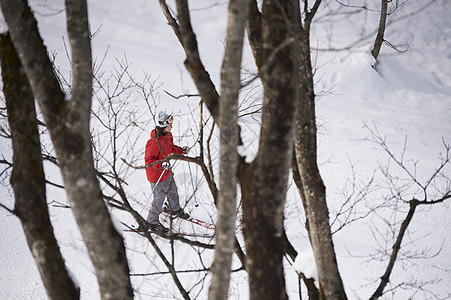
point(159, 146)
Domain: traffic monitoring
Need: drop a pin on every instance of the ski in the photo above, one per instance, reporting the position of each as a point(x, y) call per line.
point(194, 221)
point(190, 219)
point(199, 235)
point(181, 234)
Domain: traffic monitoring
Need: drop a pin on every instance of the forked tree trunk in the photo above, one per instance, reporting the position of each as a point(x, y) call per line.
point(311, 188)
point(264, 185)
point(27, 178)
point(67, 118)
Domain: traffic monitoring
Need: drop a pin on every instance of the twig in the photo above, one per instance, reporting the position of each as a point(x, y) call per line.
point(182, 96)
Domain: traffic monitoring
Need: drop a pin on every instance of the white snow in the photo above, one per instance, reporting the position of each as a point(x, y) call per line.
point(305, 263)
point(3, 26)
point(408, 99)
point(73, 278)
point(117, 224)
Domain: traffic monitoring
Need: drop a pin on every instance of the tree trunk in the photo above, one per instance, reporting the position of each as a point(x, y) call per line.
point(381, 31)
point(313, 189)
point(254, 33)
point(68, 124)
point(193, 63)
point(264, 186)
point(228, 114)
point(385, 279)
point(28, 179)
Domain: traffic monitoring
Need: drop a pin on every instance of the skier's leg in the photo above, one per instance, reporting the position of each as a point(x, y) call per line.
point(159, 194)
point(173, 195)
point(173, 198)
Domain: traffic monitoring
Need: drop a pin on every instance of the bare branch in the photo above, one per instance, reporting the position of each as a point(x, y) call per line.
point(193, 63)
point(182, 96)
point(413, 204)
point(9, 210)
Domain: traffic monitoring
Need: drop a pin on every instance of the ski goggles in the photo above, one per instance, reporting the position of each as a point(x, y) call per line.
point(168, 121)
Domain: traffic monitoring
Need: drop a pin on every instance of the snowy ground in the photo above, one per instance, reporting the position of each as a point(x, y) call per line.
point(408, 101)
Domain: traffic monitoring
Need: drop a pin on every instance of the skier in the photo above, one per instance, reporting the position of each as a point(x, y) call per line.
point(161, 179)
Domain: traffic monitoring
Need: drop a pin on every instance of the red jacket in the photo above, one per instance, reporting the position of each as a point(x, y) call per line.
point(153, 153)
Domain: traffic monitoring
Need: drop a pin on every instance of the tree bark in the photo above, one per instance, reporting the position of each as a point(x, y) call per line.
point(264, 192)
point(28, 179)
point(381, 31)
point(254, 33)
point(395, 250)
point(68, 124)
point(228, 115)
point(313, 190)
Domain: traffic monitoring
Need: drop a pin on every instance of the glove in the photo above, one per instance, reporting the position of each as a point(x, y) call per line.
point(166, 165)
point(185, 149)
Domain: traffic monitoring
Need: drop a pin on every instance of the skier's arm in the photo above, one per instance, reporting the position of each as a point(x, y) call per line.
point(175, 149)
point(152, 154)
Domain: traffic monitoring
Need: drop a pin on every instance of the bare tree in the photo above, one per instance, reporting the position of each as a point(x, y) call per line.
point(304, 164)
point(381, 31)
point(264, 181)
point(312, 189)
point(67, 118)
point(422, 198)
point(28, 178)
point(228, 115)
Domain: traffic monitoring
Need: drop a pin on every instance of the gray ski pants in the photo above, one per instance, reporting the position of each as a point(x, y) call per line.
point(160, 191)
